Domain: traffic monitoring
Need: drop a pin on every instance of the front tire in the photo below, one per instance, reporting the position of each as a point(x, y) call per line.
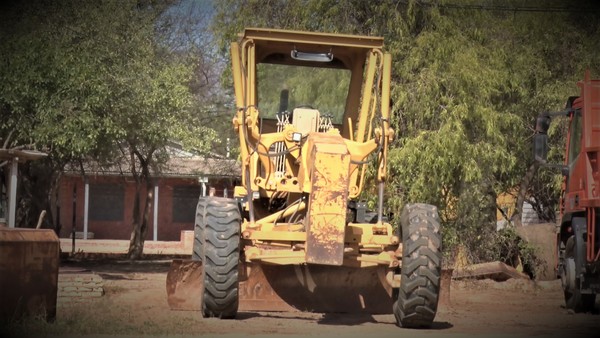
point(220, 243)
point(418, 294)
point(198, 253)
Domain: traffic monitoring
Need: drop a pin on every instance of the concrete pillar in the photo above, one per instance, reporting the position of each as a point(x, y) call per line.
point(86, 208)
point(155, 214)
point(203, 181)
point(12, 197)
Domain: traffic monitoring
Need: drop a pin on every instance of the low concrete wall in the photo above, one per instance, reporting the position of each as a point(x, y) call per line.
point(74, 288)
point(112, 246)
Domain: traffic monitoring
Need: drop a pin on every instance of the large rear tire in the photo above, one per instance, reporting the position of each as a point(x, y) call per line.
point(418, 294)
point(198, 254)
point(220, 245)
point(573, 257)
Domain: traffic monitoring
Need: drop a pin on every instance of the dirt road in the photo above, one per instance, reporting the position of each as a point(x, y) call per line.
point(135, 305)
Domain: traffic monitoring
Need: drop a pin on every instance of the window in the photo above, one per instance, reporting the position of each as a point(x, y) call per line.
point(107, 202)
point(324, 89)
point(575, 137)
point(185, 199)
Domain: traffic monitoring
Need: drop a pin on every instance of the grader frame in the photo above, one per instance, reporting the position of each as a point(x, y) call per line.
point(346, 147)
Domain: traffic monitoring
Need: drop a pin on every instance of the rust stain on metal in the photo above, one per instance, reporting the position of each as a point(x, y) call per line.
point(184, 285)
point(314, 288)
point(327, 203)
point(289, 288)
point(255, 291)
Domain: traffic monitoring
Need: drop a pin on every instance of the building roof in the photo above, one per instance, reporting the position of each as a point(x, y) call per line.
point(200, 166)
point(189, 166)
point(21, 155)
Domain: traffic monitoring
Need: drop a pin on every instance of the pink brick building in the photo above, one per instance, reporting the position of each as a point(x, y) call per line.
point(101, 203)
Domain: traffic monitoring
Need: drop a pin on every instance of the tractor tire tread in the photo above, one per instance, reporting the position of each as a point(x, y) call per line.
point(197, 253)
point(575, 300)
point(418, 294)
point(221, 258)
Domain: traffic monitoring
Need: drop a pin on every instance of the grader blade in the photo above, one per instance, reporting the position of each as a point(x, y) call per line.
point(315, 288)
point(184, 285)
point(288, 288)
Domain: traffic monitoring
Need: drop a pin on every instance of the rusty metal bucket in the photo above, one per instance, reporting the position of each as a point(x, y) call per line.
point(29, 261)
point(312, 288)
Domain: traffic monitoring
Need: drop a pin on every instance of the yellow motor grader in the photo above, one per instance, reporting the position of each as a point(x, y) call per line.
point(312, 111)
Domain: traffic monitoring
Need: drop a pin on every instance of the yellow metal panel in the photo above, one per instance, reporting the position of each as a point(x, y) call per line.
point(385, 258)
point(306, 120)
point(275, 256)
point(364, 235)
point(327, 201)
point(353, 100)
point(277, 236)
point(364, 117)
point(281, 214)
point(386, 131)
point(239, 191)
point(313, 38)
point(238, 84)
point(237, 74)
point(251, 77)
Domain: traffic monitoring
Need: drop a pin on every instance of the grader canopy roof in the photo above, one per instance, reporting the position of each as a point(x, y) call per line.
point(275, 46)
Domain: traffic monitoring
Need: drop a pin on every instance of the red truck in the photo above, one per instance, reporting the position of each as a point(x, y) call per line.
point(578, 234)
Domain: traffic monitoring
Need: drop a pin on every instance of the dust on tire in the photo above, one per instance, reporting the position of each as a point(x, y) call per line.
point(418, 295)
point(220, 245)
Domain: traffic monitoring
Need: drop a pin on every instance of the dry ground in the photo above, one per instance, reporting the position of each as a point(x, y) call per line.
point(135, 305)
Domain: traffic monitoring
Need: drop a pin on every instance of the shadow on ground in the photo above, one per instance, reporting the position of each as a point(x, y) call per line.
point(341, 319)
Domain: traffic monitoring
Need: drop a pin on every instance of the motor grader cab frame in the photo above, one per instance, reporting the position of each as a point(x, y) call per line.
point(312, 111)
point(578, 235)
point(302, 163)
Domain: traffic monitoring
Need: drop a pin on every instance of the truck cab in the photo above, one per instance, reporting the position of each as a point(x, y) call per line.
point(578, 236)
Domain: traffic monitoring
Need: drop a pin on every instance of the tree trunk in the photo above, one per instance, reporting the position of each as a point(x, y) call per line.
point(140, 217)
point(38, 189)
point(54, 203)
point(136, 245)
point(522, 194)
point(140, 221)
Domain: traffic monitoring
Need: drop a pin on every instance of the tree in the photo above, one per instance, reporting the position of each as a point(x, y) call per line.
point(465, 93)
point(98, 81)
point(48, 94)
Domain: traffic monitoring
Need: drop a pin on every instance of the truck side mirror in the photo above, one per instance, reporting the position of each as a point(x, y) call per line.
point(542, 124)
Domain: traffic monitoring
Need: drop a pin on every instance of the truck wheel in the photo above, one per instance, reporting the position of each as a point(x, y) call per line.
point(197, 254)
point(574, 299)
point(220, 296)
point(418, 294)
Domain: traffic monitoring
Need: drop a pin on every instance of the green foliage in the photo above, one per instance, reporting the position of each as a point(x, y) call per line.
point(467, 85)
point(507, 246)
point(77, 75)
point(80, 80)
